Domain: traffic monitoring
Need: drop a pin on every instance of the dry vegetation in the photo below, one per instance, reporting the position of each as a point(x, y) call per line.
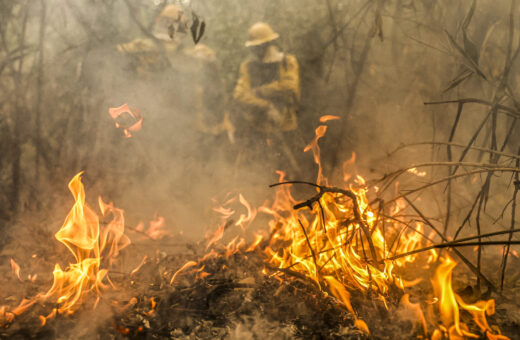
point(425, 85)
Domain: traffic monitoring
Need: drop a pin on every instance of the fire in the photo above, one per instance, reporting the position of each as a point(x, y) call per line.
point(155, 229)
point(320, 132)
point(82, 235)
point(337, 240)
point(450, 304)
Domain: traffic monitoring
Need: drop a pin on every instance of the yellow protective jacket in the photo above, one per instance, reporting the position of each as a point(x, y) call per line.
point(261, 85)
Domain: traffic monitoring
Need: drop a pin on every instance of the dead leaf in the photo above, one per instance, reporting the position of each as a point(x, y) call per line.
point(197, 28)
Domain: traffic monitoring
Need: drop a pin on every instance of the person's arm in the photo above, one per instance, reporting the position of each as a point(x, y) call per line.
point(243, 92)
point(288, 85)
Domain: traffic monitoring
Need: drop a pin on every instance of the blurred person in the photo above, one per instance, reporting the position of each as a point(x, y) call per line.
point(267, 94)
point(152, 55)
point(182, 84)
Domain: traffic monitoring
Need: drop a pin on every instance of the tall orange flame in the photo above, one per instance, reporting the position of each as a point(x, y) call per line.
point(81, 234)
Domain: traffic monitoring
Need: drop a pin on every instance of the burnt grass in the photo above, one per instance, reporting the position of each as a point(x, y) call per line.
point(235, 301)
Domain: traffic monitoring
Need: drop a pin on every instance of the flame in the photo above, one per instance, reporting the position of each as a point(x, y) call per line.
point(409, 242)
point(449, 304)
point(341, 244)
point(155, 229)
point(82, 235)
point(320, 132)
point(251, 213)
point(217, 235)
point(258, 239)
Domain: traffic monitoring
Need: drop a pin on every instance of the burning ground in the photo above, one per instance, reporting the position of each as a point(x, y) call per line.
point(413, 236)
point(336, 265)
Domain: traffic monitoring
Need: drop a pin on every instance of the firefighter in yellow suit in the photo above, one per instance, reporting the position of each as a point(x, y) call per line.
point(268, 94)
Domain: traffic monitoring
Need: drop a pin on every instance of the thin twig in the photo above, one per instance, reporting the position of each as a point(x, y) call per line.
point(506, 154)
point(470, 173)
point(508, 110)
point(310, 247)
point(513, 216)
point(454, 244)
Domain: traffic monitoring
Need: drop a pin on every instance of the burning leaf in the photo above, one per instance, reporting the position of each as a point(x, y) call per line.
point(126, 119)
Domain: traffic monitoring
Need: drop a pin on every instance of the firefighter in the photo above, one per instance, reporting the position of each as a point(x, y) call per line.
point(153, 55)
point(267, 94)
